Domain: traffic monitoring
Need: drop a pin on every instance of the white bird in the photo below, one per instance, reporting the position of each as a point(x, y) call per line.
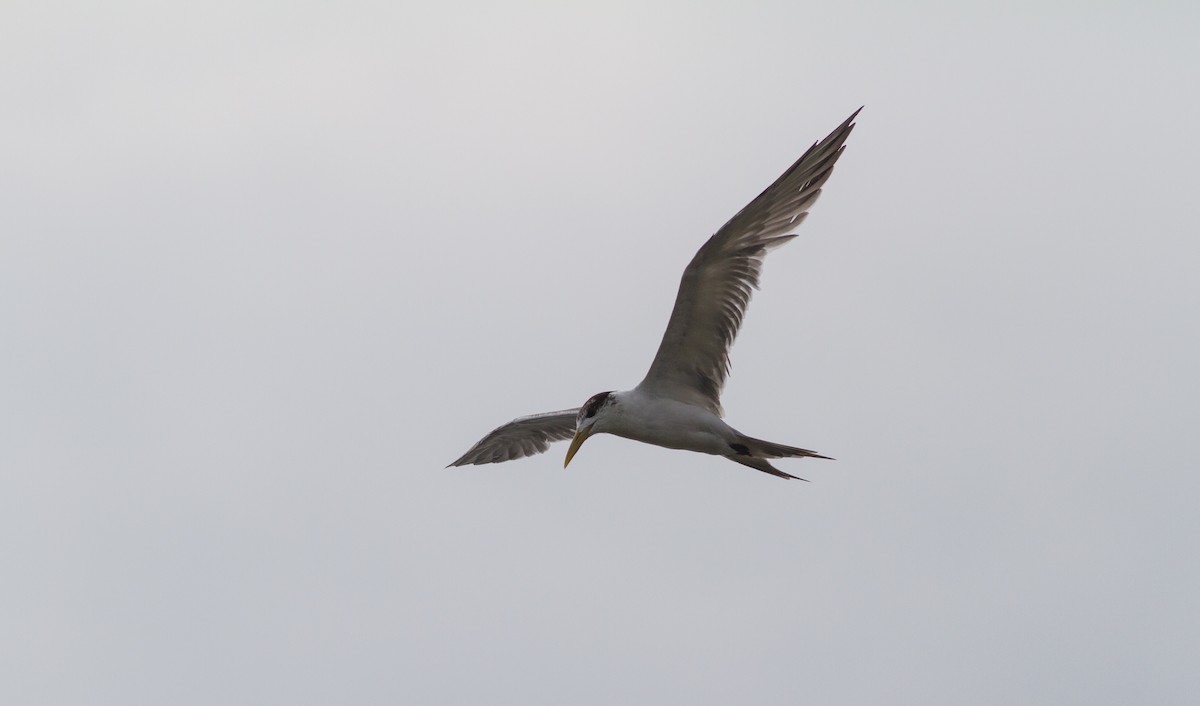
point(678, 404)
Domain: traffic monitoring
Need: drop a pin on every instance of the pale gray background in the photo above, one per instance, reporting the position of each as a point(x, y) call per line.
point(267, 267)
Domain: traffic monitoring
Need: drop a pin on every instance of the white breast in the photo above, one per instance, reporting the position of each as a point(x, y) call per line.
point(664, 422)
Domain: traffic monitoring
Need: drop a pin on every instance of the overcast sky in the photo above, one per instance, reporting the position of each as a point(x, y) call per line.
point(267, 267)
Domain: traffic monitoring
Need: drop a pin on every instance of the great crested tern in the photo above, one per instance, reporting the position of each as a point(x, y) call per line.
point(678, 404)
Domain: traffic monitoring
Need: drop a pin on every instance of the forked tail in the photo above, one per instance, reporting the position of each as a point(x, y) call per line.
point(754, 453)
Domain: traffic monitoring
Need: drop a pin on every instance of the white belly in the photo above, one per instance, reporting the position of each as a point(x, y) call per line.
point(672, 424)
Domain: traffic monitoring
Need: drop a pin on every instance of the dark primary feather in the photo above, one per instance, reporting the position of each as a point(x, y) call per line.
point(523, 436)
point(693, 359)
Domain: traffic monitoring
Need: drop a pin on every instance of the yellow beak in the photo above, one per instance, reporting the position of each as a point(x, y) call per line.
point(581, 436)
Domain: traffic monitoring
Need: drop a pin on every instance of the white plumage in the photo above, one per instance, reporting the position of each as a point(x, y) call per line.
point(677, 404)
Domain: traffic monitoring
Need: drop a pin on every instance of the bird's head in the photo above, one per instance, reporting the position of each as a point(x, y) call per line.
point(586, 421)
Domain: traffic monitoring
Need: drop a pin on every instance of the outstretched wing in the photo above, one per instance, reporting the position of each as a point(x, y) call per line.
point(523, 436)
point(693, 358)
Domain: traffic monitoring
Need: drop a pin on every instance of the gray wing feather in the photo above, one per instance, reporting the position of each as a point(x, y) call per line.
point(523, 436)
point(693, 359)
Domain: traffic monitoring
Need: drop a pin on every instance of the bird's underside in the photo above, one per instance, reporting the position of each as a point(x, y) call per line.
point(678, 403)
point(527, 436)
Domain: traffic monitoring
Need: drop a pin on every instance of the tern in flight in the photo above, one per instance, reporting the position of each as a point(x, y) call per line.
point(678, 404)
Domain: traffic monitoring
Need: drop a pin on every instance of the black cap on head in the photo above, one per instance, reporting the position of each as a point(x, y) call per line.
point(593, 405)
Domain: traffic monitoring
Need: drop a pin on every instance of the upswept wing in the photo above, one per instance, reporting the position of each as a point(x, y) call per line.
point(693, 359)
point(523, 436)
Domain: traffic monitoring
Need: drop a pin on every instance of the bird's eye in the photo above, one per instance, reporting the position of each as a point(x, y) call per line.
point(593, 405)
